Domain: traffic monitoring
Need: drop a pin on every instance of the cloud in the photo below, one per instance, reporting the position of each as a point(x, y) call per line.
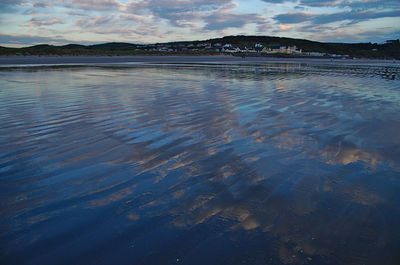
point(223, 20)
point(353, 16)
point(90, 22)
point(160, 20)
point(47, 21)
point(11, 2)
point(215, 15)
point(176, 6)
point(28, 40)
point(379, 34)
point(293, 18)
point(285, 27)
point(275, 1)
point(353, 4)
point(9, 6)
point(95, 5)
point(313, 3)
point(133, 17)
point(319, 3)
point(40, 4)
point(164, 8)
point(347, 34)
point(370, 4)
point(178, 12)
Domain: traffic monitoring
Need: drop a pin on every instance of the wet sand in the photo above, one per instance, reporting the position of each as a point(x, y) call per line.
point(174, 59)
point(270, 163)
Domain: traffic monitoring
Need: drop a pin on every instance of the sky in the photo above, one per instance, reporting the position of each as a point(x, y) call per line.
point(58, 22)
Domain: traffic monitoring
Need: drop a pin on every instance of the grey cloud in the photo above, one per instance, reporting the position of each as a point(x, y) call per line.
point(293, 18)
point(353, 16)
point(318, 3)
point(95, 21)
point(37, 5)
point(149, 31)
point(12, 2)
point(305, 2)
point(178, 12)
point(219, 21)
point(95, 5)
point(275, 1)
point(216, 14)
point(29, 40)
point(379, 35)
point(78, 14)
point(131, 17)
point(165, 7)
point(9, 6)
point(300, 7)
point(40, 4)
point(353, 4)
point(49, 21)
point(370, 4)
point(331, 34)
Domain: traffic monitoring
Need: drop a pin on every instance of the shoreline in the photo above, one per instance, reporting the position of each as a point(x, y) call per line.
point(9, 61)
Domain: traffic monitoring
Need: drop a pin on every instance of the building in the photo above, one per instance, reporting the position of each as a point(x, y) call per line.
point(227, 48)
point(282, 49)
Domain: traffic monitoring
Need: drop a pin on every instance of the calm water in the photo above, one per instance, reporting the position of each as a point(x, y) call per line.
point(258, 164)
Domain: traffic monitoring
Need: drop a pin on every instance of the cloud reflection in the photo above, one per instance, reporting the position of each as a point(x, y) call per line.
point(278, 150)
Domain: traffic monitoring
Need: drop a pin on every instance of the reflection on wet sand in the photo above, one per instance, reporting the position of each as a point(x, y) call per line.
point(268, 164)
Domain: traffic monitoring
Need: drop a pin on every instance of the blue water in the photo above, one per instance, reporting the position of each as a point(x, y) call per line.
point(200, 164)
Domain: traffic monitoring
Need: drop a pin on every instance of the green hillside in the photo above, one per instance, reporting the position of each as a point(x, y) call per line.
point(388, 50)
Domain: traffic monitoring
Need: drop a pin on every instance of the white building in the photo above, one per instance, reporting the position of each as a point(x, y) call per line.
point(227, 48)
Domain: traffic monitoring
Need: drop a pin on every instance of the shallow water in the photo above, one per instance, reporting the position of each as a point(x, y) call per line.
point(200, 164)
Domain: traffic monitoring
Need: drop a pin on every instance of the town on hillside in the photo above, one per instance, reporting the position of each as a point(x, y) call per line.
point(256, 49)
point(235, 45)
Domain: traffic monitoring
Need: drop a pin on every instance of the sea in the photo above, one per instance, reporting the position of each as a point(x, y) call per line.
point(208, 163)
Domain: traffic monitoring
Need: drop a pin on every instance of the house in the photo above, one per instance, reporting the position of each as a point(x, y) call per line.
point(266, 50)
point(205, 45)
point(230, 48)
point(258, 47)
point(293, 49)
point(275, 49)
point(227, 48)
point(315, 53)
point(282, 49)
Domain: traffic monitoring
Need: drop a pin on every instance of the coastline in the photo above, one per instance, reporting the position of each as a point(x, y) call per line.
point(9, 61)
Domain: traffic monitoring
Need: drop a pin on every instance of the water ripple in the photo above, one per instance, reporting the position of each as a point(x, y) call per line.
point(205, 164)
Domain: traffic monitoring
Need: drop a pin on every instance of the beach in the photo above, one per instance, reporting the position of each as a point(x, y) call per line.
point(175, 59)
point(199, 160)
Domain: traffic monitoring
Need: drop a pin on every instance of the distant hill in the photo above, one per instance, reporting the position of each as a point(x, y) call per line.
point(388, 50)
point(113, 46)
point(363, 50)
